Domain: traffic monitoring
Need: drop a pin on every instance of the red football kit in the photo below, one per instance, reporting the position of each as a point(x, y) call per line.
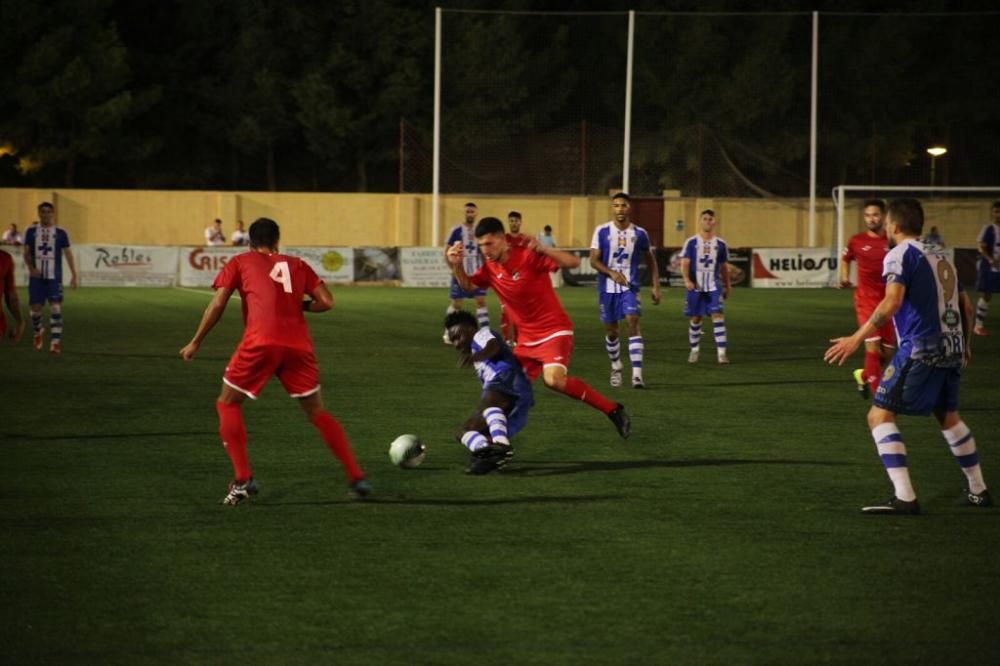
point(522, 283)
point(869, 253)
point(7, 284)
point(276, 337)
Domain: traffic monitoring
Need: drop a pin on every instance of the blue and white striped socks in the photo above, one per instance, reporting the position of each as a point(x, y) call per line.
point(496, 421)
point(614, 349)
point(483, 317)
point(892, 451)
point(694, 335)
point(963, 447)
point(635, 348)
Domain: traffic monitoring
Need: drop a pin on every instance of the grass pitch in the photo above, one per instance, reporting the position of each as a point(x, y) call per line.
point(726, 530)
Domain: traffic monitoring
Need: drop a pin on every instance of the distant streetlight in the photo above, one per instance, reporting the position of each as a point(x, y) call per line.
point(935, 152)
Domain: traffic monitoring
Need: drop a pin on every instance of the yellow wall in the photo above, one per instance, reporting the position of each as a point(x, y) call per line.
point(179, 218)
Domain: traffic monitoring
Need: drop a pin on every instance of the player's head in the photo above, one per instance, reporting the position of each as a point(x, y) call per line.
point(905, 218)
point(873, 211)
point(470, 212)
point(461, 327)
point(46, 213)
point(264, 234)
point(514, 222)
point(621, 202)
point(548, 228)
point(492, 239)
point(706, 221)
point(996, 211)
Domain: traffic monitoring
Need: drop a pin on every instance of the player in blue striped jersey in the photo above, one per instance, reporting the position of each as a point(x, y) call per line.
point(506, 398)
point(473, 261)
point(45, 245)
point(705, 268)
point(616, 250)
point(933, 316)
point(988, 277)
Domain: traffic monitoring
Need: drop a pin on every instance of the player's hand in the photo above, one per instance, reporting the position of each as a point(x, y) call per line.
point(966, 356)
point(535, 246)
point(189, 350)
point(619, 278)
point(726, 291)
point(841, 349)
point(15, 333)
point(656, 295)
point(689, 285)
point(73, 282)
point(844, 284)
point(455, 253)
point(35, 272)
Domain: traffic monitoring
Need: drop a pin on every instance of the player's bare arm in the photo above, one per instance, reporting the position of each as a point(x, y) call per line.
point(455, 256)
point(561, 257)
point(72, 267)
point(601, 267)
point(211, 317)
point(842, 348)
point(685, 268)
point(845, 275)
point(29, 262)
point(654, 270)
point(727, 280)
point(322, 300)
point(965, 309)
point(14, 305)
point(983, 250)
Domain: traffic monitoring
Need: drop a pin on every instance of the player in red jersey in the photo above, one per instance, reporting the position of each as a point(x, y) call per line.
point(515, 238)
point(519, 275)
point(10, 297)
point(869, 248)
point(275, 342)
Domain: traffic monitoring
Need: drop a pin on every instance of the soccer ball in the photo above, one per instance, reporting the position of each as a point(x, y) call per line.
point(407, 451)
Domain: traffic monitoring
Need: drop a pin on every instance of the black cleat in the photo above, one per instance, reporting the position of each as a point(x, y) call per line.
point(982, 499)
point(360, 490)
point(894, 507)
point(489, 458)
point(621, 420)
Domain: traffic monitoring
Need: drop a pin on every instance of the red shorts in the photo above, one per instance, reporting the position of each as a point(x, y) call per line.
point(554, 351)
point(250, 368)
point(864, 310)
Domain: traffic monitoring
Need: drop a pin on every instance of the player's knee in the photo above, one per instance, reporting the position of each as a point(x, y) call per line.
point(55, 308)
point(877, 416)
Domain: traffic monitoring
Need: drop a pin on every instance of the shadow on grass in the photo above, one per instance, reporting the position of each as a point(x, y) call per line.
point(551, 468)
point(426, 501)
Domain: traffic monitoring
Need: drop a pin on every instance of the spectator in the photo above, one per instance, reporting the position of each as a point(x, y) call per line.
point(933, 237)
point(545, 238)
point(240, 237)
point(12, 236)
point(214, 235)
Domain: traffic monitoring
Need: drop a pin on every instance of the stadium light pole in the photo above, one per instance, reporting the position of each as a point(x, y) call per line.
point(628, 100)
point(935, 152)
point(813, 110)
point(436, 169)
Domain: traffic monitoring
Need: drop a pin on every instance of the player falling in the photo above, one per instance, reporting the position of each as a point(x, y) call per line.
point(868, 249)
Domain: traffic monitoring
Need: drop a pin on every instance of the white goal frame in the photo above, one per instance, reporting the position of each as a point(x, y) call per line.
point(840, 196)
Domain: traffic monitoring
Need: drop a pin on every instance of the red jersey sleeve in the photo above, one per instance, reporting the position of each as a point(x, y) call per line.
point(228, 277)
point(849, 251)
point(481, 278)
point(311, 279)
point(544, 263)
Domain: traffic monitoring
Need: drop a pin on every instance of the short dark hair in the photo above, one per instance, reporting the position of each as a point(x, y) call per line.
point(548, 228)
point(908, 215)
point(264, 232)
point(470, 204)
point(707, 211)
point(463, 317)
point(514, 213)
point(996, 204)
point(45, 204)
point(489, 225)
point(878, 203)
point(621, 195)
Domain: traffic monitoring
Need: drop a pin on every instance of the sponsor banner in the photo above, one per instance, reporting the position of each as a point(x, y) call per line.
point(332, 264)
point(669, 259)
point(376, 264)
point(124, 265)
point(200, 265)
point(794, 267)
point(424, 267)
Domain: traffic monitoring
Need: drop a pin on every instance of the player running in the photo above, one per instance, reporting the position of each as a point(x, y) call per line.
point(933, 316)
point(705, 268)
point(520, 278)
point(275, 342)
point(615, 252)
point(869, 248)
point(506, 398)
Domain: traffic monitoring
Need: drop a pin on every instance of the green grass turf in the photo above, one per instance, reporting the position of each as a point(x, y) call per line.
point(726, 530)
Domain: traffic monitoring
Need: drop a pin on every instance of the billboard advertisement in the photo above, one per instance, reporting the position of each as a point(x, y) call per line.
point(794, 267)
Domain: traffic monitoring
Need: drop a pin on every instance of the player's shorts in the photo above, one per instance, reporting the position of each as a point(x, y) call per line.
point(515, 384)
point(615, 307)
point(911, 387)
point(701, 303)
point(554, 351)
point(864, 309)
point(41, 290)
point(455, 292)
point(987, 280)
point(250, 368)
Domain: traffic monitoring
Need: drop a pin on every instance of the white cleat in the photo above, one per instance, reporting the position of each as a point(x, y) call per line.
point(723, 359)
point(637, 383)
point(693, 356)
point(445, 339)
point(616, 377)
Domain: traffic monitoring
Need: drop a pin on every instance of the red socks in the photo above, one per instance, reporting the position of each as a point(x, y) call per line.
point(234, 438)
point(873, 368)
point(579, 390)
point(336, 439)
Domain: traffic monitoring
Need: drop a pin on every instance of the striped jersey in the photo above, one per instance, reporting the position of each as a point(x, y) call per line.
point(490, 369)
point(46, 245)
point(990, 236)
point(472, 261)
point(928, 323)
point(706, 259)
point(620, 250)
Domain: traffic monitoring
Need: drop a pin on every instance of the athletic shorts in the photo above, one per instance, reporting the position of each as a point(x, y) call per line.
point(41, 290)
point(701, 303)
point(515, 384)
point(911, 387)
point(554, 351)
point(455, 292)
point(864, 310)
point(250, 368)
point(615, 307)
point(987, 280)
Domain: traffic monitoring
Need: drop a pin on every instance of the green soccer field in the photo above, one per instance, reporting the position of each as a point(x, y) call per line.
point(727, 530)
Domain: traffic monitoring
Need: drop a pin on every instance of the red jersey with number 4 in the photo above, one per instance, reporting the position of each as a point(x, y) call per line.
point(272, 287)
point(523, 285)
point(869, 252)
